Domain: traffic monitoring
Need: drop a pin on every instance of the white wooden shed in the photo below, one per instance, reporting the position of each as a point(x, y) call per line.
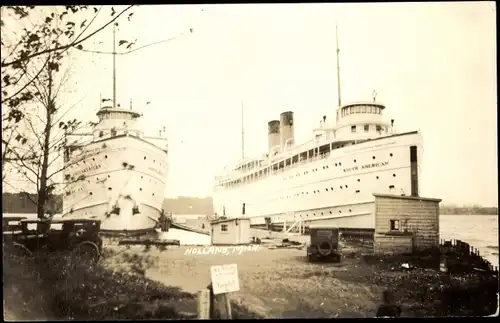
point(233, 231)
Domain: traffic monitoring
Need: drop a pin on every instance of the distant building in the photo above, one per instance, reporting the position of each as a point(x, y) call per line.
point(234, 231)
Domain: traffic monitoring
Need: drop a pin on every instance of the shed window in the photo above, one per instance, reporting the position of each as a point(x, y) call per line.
point(394, 225)
point(223, 228)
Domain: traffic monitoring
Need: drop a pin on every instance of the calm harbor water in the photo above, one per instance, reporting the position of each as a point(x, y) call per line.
point(480, 231)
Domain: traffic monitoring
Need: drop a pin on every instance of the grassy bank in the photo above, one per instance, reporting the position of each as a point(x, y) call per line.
point(137, 284)
point(60, 289)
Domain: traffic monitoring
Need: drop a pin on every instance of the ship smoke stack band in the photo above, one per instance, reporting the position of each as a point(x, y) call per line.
point(273, 133)
point(286, 129)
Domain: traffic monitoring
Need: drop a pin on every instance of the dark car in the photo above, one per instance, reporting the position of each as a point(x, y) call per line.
point(325, 243)
point(80, 236)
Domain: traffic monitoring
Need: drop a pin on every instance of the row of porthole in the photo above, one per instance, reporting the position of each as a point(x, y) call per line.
point(322, 213)
point(109, 176)
point(109, 189)
point(314, 214)
point(106, 157)
point(331, 189)
point(140, 189)
point(325, 167)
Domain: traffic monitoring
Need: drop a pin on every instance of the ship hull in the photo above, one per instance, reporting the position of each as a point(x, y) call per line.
point(120, 181)
point(336, 189)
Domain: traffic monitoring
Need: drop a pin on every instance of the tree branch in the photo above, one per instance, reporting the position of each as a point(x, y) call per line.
point(69, 109)
point(27, 84)
point(135, 49)
point(72, 44)
point(90, 23)
point(23, 164)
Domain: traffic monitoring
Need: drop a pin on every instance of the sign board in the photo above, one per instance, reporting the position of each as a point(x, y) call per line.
point(225, 278)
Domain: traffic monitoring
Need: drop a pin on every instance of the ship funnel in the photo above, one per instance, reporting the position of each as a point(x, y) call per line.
point(273, 133)
point(286, 129)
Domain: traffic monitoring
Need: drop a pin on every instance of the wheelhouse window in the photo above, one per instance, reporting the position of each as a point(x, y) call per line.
point(379, 128)
point(353, 128)
point(367, 127)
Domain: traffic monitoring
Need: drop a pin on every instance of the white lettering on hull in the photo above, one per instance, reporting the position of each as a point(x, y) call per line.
point(366, 166)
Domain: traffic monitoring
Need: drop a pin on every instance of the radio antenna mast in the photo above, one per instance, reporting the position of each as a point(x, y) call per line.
point(338, 65)
point(114, 65)
point(242, 132)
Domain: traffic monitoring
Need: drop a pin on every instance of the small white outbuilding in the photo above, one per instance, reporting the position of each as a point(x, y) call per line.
point(234, 231)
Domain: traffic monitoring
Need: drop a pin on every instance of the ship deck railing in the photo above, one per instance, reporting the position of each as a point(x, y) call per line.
point(314, 144)
point(238, 174)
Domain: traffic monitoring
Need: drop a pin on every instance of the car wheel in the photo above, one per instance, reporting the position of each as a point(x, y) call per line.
point(86, 252)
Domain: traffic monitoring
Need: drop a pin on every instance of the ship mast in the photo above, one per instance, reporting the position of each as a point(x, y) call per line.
point(242, 133)
point(338, 65)
point(114, 65)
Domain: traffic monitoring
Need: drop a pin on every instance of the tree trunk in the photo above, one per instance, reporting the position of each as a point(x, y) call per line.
point(42, 189)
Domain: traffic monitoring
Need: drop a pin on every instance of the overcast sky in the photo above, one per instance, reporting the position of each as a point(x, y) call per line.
point(432, 64)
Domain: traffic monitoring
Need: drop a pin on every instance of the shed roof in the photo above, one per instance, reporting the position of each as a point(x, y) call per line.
point(229, 220)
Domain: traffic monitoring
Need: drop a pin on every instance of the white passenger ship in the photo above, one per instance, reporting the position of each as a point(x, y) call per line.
point(119, 176)
point(329, 179)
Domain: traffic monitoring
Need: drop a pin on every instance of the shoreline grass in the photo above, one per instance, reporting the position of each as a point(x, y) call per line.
point(137, 284)
point(55, 288)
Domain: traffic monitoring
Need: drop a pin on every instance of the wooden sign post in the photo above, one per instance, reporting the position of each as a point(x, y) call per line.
point(224, 280)
point(204, 304)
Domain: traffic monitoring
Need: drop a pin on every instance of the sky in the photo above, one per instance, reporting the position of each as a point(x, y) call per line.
point(432, 64)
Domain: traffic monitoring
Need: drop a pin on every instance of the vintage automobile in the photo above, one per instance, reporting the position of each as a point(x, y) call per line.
point(325, 243)
point(77, 237)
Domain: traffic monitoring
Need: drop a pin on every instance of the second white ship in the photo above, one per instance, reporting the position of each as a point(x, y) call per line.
point(331, 178)
point(119, 175)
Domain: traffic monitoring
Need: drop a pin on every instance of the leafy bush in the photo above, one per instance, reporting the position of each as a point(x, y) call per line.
point(61, 288)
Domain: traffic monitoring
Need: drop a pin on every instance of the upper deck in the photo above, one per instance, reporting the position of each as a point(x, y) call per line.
point(354, 122)
point(115, 122)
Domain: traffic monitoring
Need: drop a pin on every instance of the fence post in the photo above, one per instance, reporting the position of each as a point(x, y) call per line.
point(220, 305)
point(204, 304)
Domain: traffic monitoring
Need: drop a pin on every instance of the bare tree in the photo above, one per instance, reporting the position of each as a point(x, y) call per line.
point(38, 157)
point(31, 32)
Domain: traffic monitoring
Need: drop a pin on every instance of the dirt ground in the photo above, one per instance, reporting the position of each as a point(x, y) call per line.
point(281, 283)
point(141, 283)
point(274, 283)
